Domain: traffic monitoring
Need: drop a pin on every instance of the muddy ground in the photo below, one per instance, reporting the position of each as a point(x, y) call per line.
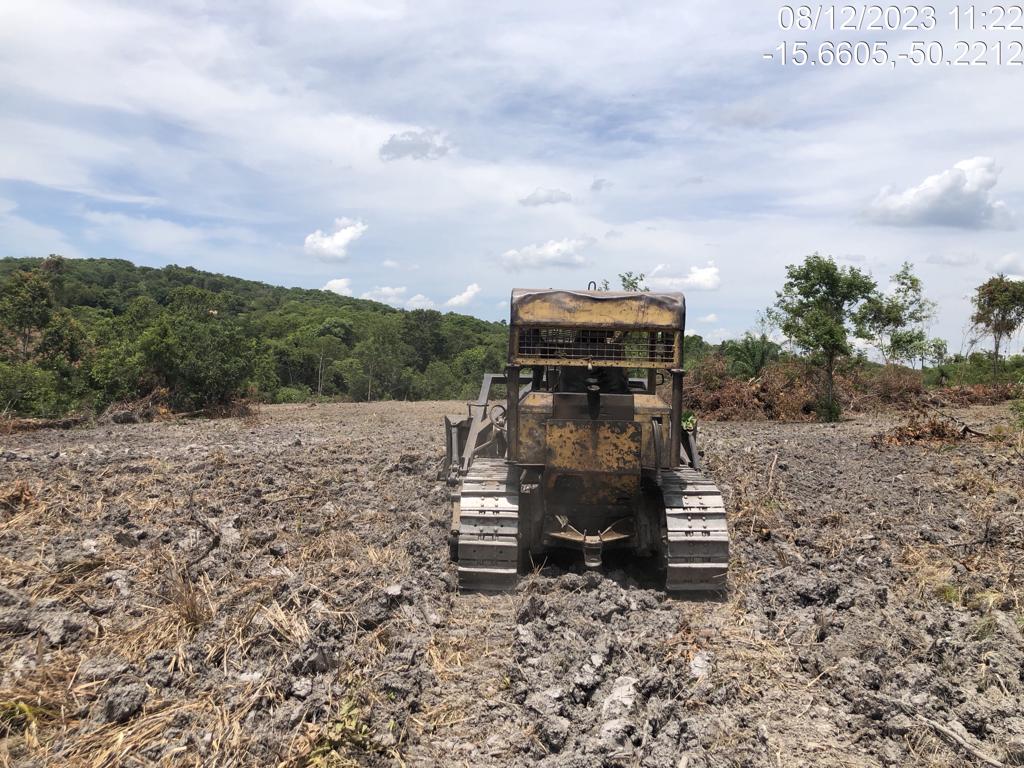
point(276, 590)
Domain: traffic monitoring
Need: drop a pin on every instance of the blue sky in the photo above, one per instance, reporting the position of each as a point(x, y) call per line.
point(441, 153)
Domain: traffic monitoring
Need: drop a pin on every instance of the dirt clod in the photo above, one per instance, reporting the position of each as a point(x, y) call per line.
point(124, 702)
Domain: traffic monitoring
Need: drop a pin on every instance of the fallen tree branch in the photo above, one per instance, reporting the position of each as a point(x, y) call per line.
point(959, 740)
point(965, 428)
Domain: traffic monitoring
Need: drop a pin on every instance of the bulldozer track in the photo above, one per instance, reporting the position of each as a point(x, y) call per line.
point(488, 527)
point(697, 536)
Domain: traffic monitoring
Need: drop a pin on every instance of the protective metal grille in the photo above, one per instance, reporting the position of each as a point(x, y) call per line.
point(628, 348)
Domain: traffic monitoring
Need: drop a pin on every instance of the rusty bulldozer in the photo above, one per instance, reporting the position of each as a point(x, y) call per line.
point(583, 453)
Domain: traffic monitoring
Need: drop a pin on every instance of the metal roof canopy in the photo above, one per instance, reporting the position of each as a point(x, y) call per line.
point(599, 309)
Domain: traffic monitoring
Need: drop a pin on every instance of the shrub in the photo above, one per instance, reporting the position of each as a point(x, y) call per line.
point(29, 390)
point(292, 395)
point(202, 360)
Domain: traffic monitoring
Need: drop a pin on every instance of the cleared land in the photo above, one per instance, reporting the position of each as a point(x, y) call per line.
point(276, 590)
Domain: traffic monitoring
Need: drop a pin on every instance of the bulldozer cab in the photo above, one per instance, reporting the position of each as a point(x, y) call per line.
point(599, 355)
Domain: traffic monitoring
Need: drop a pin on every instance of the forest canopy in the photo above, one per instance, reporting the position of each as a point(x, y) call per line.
point(80, 334)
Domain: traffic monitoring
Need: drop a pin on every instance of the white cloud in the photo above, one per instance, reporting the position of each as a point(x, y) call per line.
point(395, 296)
point(958, 197)
point(658, 268)
point(952, 259)
point(386, 294)
point(390, 264)
point(717, 336)
point(340, 285)
point(599, 184)
point(712, 318)
point(419, 301)
point(335, 245)
point(706, 278)
point(417, 145)
point(462, 299)
point(541, 196)
point(1011, 265)
point(553, 253)
point(21, 237)
point(161, 236)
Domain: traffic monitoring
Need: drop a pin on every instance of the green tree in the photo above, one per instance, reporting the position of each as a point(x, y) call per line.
point(379, 365)
point(998, 311)
point(629, 281)
point(203, 360)
point(815, 310)
point(694, 348)
point(633, 282)
point(26, 307)
point(894, 322)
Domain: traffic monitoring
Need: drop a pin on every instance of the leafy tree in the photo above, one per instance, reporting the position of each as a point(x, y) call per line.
point(894, 322)
point(694, 348)
point(633, 282)
point(27, 389)
point(62, 340)
point(423, 330)
point(998, 311)
point(202, 360)
point(815, 309)
point(26, 306)
point(629, 282)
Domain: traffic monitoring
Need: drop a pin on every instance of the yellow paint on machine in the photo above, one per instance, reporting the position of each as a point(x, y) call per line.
point(593, 446)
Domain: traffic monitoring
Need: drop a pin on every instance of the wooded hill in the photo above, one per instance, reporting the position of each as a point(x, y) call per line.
point(79, 334)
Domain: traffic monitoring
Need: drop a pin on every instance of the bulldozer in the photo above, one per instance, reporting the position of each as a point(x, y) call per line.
point(583, 453)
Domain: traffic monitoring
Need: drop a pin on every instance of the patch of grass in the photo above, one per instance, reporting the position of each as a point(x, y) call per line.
point(949, 593)
point(984, 629)
point(342, 741)
point(985, 601)
point(17, 717)
point(187, 600)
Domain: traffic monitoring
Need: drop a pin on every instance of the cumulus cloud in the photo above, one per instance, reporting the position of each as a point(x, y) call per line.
point(541, 196)
point(553, 253)
point(339, 285)
point(952, 259)
point(706, 278)
point(959, 197)
point(417, 145)
point(1011, 265)
point(419, 301)
point(334, 246)
point(386, 294)
point(462, 299)
point(712, 318)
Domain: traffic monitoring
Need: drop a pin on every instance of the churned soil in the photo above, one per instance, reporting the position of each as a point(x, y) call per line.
point(275, 590)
